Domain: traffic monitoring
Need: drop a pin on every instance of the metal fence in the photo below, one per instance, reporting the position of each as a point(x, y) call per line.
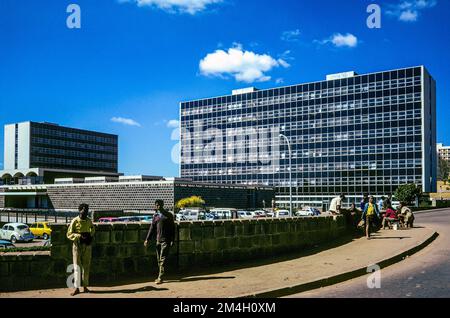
point(32, 216)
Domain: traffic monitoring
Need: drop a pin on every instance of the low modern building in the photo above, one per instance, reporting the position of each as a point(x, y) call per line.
point(40, 152)
point(350, 133)
point(131, 194)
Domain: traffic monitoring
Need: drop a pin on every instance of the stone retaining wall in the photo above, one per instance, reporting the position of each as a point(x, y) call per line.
point(119, 254)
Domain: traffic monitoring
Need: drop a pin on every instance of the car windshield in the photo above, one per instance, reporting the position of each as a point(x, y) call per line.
point(22, 227)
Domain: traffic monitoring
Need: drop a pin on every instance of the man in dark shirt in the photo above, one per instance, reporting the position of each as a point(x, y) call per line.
point(163, 228)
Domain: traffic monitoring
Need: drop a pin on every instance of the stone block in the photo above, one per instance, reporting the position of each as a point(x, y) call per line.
point(112, 251)
point(184, 233)
point(117, 236)
point(275, 239)
point(129, 265)
point(229, 229)
point(102, 237)
point(208, 232)
point(232, 243)
point(219, 230)
point(61, 251)
point(245, 242)
point(196, 232)
point(4, 269)
point(131, 236)
point(143, 235)
point(19, 268)
point(209, 245)
point(221, 243)
point(187, 247)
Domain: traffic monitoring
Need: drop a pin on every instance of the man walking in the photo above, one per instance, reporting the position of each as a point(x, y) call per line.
point(163, 227)
point(81, 232)
point(369, 214)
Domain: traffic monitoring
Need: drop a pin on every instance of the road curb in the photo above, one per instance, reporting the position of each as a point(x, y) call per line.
point(332, 280)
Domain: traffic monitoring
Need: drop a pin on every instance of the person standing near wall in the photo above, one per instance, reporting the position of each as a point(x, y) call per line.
point(81, 232)
point(163, 228)
point(369, 215)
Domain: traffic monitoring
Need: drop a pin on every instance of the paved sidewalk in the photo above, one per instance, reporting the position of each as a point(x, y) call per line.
point(263, 280)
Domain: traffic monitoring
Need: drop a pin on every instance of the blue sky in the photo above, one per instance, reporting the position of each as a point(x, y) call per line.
point(131, 63)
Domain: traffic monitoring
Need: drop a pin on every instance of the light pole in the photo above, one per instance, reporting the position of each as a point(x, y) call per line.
point(290, 172)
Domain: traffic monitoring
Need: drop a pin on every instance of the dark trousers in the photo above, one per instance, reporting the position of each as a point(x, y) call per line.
point(162, 253)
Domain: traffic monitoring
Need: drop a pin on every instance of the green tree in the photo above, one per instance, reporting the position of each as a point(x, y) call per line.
point(192, 202)
point(407, 193)
point(444, 170)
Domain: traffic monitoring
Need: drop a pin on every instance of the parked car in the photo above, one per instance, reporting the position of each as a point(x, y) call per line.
point(41, 229)
point(282, 214)
point(225, 214)
point(16, 232)
point(260, 214)
point(5, 245)
point(190, 215)
point(245, 215)
point(145, 218)
point(308, 212)
point(108, 220)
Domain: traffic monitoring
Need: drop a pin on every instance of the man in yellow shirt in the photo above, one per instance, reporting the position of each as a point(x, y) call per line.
point(81, 232)
point(369, 214)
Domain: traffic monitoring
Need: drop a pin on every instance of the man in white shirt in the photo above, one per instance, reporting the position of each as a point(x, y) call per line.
point(336, 204)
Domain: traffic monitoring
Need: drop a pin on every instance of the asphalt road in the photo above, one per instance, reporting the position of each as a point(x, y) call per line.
point(426, 274)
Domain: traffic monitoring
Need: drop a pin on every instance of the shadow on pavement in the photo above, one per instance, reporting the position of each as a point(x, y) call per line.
point(128, 291)
point(194, 279)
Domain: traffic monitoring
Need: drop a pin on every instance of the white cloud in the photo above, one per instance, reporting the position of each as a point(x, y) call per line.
point(290, 36)
point(341, 40)
point(409, 16)
point(174, 6)
point(173, 123)
point(125, 121)
point(409, 10)
point(244, 66)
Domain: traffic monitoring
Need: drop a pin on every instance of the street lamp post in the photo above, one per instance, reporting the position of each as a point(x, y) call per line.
point(290, 172)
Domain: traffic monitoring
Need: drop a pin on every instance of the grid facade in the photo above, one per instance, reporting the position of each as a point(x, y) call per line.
point(362, 134)
point(444, 153)
point(57, 147)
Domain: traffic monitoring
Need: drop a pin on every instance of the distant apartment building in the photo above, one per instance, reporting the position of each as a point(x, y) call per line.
point(40, 152)
point(349, 134)
point(443, 152)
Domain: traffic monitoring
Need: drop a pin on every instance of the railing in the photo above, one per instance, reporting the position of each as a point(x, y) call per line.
point(29, 216)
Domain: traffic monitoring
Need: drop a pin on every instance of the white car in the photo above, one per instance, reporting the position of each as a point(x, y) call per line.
point(260, 214)
point(224, 214)
point(308, 212)
point(282, 214)
point(245, 215)
point(189, 214)
point(16, 232)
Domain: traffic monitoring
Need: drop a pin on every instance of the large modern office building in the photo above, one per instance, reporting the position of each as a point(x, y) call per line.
point(40, 152)
point(350, 134)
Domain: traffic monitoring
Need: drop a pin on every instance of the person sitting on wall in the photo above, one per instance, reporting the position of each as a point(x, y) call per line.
point(163, 229)
point(389, 217)
point(336, 205)
point(81, 232)
point(406, 216)
point(353, 215)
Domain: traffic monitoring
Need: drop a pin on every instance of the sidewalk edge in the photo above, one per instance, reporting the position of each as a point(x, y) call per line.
point(332, 280)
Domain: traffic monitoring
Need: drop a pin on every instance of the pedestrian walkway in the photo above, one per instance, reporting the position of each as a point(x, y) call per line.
point(263, 280)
